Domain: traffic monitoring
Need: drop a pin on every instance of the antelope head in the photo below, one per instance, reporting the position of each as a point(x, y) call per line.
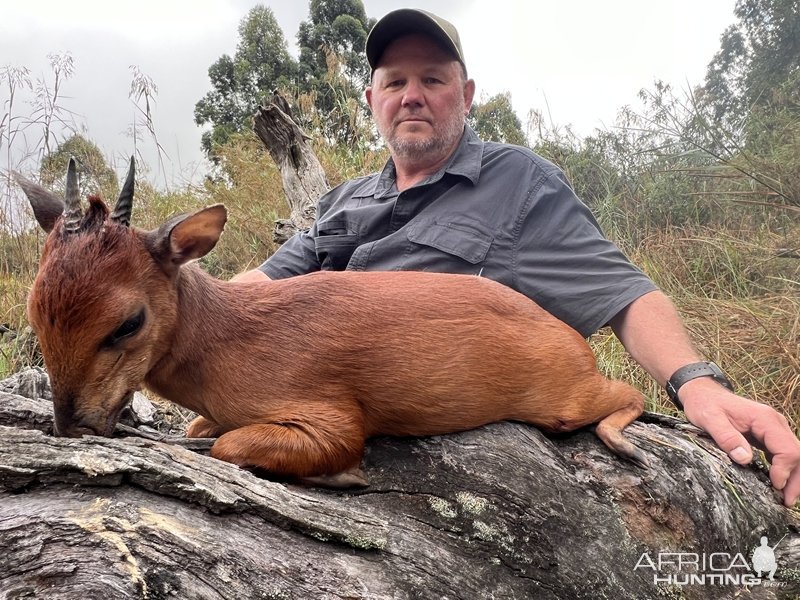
point(104, 301)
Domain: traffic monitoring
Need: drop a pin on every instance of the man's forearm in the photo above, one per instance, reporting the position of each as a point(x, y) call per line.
point(653, 333)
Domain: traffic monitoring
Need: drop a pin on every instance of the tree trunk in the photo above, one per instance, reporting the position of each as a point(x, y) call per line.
point(499, 512)
point(303, 178)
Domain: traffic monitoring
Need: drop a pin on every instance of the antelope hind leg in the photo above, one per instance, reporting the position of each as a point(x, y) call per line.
point(629, 405)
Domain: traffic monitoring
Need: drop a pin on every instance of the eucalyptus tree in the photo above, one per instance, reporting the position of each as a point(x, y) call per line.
point(239, 83)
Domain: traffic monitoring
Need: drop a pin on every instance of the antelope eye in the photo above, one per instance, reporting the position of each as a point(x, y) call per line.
point(127, 329)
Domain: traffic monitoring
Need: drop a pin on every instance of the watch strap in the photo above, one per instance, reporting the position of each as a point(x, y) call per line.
point(693, 371)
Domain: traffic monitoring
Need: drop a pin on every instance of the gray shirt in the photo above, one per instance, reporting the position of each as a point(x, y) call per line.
point(494, 210)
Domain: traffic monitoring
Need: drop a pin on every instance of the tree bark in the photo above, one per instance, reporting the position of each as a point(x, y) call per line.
point(502, 511)
point(303, 178)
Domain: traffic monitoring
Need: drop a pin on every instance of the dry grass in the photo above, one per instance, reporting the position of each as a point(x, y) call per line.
point(252, 191)
point(341, 164)
point(740, 302)
point(757, 339)
point(18, 259)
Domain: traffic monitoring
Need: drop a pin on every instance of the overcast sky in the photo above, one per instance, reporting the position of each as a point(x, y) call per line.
point(577, 61)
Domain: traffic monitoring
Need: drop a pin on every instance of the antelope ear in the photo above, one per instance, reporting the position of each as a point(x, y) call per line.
point(188, 236)
point(47, 207)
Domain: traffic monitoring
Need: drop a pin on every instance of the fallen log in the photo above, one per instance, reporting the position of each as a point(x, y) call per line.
point(499, 512)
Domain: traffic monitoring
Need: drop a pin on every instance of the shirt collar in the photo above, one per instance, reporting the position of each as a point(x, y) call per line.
point(465, 162)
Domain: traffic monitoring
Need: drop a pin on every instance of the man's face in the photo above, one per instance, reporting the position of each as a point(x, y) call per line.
point(419, 99)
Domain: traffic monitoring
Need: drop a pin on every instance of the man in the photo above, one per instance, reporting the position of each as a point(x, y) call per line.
point(448, 202)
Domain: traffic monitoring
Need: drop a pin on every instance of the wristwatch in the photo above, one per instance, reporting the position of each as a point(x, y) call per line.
point(693, 371)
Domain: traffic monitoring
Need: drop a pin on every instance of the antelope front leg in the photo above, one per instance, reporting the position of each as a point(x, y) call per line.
point(201, 427)
point(322, 451)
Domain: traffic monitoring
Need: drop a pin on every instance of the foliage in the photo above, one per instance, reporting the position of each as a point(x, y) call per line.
point(143, 93)
point(760, 169)
point(48, 116)
point(330, 75)
point(758, 53)
point(342, 162)
point(670, 164)
point(773, 142)
point(47, 109)
point(261, 64)
point(588, 163)
point(96, 177)
point(336, 27)
point(333, 71)
point(495, 120)
point(250, 187)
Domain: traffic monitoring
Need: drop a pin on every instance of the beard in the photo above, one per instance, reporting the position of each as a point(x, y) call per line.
point(443, 138)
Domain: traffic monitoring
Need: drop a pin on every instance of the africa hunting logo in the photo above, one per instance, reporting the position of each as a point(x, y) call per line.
point(715, 568)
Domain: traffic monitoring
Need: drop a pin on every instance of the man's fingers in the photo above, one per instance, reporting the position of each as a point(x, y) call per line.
point(730, 441)
point(792, 489)
point(784, 472)
point(733, 417)
point(783, 449)
point(779, 472)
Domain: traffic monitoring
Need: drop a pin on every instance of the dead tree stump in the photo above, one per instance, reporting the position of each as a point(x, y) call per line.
point(499, 512)
point(303, 178)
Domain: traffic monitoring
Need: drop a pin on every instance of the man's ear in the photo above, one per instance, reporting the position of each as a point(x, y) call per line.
point(368, 95)
point(469, 95)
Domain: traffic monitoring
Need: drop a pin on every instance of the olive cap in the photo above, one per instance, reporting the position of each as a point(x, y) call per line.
point(411, 20)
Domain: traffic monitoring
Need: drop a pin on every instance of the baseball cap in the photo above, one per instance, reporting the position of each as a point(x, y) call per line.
point(411, 20)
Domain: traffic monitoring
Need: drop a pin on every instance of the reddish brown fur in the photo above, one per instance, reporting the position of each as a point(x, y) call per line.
point(294, 375)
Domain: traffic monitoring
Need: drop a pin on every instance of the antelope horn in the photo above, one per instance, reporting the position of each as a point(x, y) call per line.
point(72, 204)
point(124, 206)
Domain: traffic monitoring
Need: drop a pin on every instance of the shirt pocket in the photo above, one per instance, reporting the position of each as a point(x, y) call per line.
point(334, 245)
point(467, 241)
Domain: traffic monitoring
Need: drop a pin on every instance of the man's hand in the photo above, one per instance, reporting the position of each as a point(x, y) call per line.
point(653, 333)
point(736, 423)
point(247, 276)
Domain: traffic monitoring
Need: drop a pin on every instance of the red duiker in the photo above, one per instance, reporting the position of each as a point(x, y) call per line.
point(294, 375)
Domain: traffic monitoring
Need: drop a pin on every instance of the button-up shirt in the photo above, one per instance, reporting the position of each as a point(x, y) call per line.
point(494, 210)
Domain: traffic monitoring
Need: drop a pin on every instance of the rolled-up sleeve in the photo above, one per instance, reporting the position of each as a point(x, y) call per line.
point(296, 256)
point(566, 264)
